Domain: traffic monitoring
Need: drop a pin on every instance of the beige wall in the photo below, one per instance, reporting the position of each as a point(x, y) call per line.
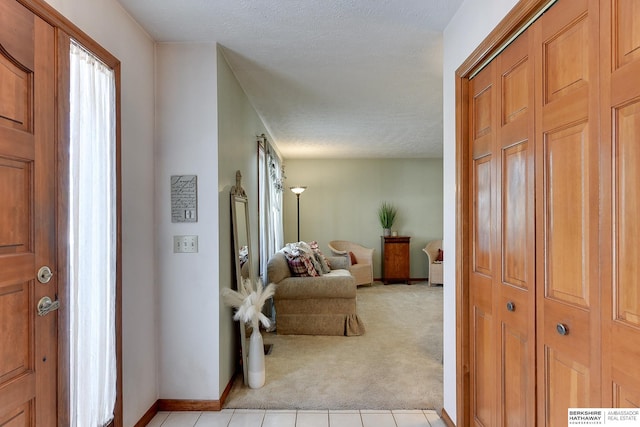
point(343, 197)
point(238, 125)
point(206, 127)
point(187, 144)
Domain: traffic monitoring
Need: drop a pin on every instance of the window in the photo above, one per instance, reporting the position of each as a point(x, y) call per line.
point(92, 240)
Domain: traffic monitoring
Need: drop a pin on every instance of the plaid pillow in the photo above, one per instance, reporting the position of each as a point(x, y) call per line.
point(301, 265)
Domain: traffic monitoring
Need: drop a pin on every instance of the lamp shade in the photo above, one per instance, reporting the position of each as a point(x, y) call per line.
point(298, 189)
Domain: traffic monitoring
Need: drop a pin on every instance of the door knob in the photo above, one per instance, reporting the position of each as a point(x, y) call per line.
point(46, 306)
point(44, 274)
point(562, 329)
point(511, 306)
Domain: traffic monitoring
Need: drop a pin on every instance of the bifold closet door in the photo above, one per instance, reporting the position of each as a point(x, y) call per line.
point(567, 197)
point(515, 192)
point(502, 291)
point(482, 240)
point(620, 154)
point(554, 271)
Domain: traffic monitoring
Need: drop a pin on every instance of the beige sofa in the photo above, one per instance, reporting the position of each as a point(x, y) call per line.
point(324, 305)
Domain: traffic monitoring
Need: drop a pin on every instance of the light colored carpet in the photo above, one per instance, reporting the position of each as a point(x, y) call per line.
point(396, 364)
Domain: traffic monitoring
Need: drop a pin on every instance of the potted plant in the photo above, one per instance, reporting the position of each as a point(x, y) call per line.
point(387, 215)
point(248, 302)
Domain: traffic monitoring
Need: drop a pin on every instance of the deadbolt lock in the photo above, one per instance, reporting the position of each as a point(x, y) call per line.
point(44, 274)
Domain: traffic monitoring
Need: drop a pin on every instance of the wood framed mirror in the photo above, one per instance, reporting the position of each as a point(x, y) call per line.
point(241, 252)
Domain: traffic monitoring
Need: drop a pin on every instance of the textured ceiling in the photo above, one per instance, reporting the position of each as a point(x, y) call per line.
point(330, 78)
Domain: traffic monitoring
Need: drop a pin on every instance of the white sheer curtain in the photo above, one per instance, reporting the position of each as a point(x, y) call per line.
point(92, 237)
point(271, 187)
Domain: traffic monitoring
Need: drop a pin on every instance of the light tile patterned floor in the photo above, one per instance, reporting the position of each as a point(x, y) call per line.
point(285, 418)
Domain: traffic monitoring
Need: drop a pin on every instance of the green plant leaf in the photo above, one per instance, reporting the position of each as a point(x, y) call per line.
point(387, 214)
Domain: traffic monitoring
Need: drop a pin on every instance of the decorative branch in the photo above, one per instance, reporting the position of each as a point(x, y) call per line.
point(248, 302)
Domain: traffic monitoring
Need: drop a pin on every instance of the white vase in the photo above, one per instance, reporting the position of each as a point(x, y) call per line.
point(256, 360)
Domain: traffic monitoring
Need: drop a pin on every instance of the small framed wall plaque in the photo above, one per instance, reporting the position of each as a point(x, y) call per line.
point(184, 198)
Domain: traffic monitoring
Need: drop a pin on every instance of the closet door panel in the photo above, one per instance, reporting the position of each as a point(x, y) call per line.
point(567, 194)
point(517, 384)
point(515, 86)
point(626, 31)
point(482, 221)
point(514, 215)
point(566, 57)
point(483, 263)
point(483, 368)
point(627, 297)
point(567, 386)
point(566, 163)
point(620, 153)
point(624, 398)
point(515, 286)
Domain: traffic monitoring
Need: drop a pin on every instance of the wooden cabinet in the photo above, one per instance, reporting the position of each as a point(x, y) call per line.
point(395, 259)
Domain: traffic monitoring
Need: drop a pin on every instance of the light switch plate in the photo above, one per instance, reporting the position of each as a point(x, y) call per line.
point(185, 244)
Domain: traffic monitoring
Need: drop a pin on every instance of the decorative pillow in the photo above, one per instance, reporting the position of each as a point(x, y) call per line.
point(300, 260)
point(305, 248)
point(301, 265)
point(319, 256)
point(317, 265)
point(440, 255)
point(354, 261)
point(324, 267)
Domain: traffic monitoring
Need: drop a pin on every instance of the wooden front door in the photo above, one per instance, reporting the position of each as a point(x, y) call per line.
point(28, 341)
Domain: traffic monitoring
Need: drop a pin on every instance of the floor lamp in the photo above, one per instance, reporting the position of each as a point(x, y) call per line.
point(298, 190)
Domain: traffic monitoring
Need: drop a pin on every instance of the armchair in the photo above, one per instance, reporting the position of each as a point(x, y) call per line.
point(362, 271)
point(435, 268)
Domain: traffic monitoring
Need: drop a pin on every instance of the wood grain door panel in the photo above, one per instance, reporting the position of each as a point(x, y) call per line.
point(16, 182)
point(567, 385)
point(482, 220)
point(16, 88)
point(627, 167)
point(624, 397)
point(483, 369)
point(502, 285)
point(626, 32)
point(514, 224)
point(620, 116)
point(567, 213)
point(515, 286)
point(482, 269)
point(516, 386)
point(28, 344)
point(566, 57)
point(567, 197)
